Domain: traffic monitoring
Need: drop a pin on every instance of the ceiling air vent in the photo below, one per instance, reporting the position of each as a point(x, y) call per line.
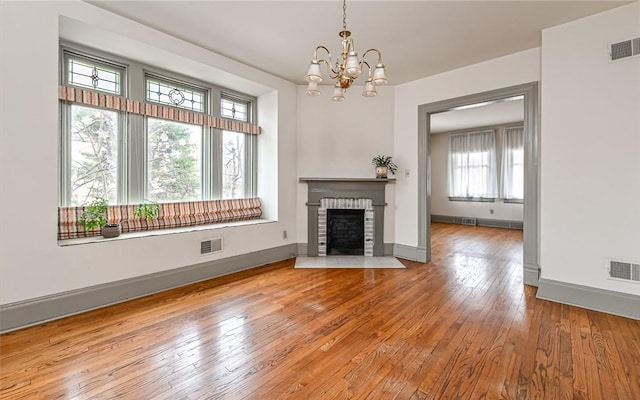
point(625, 49)
point(211, 246)
point(624, 270)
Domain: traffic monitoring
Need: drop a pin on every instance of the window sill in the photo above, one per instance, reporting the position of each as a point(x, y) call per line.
point(514, 201)
point(473, 199)
point(160, 232)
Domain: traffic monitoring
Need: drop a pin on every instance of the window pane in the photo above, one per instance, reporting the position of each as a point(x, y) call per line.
point(94, 154)
point(518, 174)
point(176, 96)
point(174, 161)
point(472, 168)
point(233, 165)
point(234, 109)
point(91, 75)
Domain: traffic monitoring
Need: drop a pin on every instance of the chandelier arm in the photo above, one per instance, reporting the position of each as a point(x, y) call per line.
point(315, 52)
point(368, 66)
point(377, 51)
point(330, 69)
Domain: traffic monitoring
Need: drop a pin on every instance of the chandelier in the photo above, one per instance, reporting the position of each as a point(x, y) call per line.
point(347, 68)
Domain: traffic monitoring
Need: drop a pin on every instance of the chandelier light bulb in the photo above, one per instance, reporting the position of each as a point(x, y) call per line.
point(312, 89)
point(352, 66)
point(338, 93)
point(314, 74)
point(369, 89)
point(379, 78)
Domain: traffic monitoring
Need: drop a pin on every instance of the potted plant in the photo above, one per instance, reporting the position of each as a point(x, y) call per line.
point(147, 210)
point(383, 166)
point(96, 215)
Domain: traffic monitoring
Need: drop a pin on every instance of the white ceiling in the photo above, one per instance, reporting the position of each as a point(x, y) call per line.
point(417, 38)
point(491, 114)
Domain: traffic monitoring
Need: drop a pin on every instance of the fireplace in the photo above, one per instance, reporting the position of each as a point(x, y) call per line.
point(362, 227)
point(345, 232)
point(359, 195)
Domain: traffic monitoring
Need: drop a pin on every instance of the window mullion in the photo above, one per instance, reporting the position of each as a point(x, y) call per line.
point(216, 163)
point(207, 164)
point(65, 154)
point(251, 165)
point(136, 157)
point(122, 186)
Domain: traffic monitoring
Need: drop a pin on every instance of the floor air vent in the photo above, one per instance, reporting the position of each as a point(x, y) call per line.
point(468, 221)
point(624, 270)
point(210, 246)
point(624, 49)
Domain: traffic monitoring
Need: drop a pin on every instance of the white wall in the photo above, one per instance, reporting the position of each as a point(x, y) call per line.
point(440, 203)
point(32, 264)
point(590, 150)
point(339, 139)
point(511, 70)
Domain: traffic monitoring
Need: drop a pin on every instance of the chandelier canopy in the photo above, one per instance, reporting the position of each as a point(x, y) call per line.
point(347, 67)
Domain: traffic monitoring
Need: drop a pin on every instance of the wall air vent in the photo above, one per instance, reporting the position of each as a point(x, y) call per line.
point(211, 246)
point(468, 221)
point(625, 49)
point(624, 270)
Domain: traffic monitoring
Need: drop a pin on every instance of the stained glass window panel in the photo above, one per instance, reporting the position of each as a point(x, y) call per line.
point(94, 76)
point(235, 110)
point(176, 96)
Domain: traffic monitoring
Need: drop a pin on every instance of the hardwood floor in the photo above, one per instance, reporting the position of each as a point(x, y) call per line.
point(461, 327)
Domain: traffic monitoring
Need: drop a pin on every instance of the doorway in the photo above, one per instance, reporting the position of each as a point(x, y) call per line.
point(531, 269)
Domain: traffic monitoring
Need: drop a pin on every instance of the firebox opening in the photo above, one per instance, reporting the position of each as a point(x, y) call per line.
point(345, 232)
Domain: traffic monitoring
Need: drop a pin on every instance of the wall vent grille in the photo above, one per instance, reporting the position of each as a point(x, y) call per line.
point(468, 221)
point(211, 246)
point(625, 49)
point(624, 270)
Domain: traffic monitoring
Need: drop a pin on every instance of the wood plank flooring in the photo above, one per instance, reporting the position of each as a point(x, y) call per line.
point(461, 327)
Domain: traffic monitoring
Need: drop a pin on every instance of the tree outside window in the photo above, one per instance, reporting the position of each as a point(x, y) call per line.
point(174, 161)
point(94, 155)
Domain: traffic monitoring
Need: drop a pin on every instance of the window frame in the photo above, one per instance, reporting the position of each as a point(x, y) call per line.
point(132, 170)
point(168, 80)
point(468, 152)
point(68, 53)
point(504, 198)
point(250, 145)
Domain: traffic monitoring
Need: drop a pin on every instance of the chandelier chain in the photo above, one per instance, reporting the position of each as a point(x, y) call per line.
point(344, 15)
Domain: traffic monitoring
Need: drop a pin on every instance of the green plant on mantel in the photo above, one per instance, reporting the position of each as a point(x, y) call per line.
point(385, 161)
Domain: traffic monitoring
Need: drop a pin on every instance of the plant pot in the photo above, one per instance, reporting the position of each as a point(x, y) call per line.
point(111, 230)
point(381, 172)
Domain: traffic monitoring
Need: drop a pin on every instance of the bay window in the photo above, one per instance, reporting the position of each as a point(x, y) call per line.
point(167, 138)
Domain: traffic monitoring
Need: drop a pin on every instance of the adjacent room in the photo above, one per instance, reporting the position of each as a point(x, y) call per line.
point(319, 199)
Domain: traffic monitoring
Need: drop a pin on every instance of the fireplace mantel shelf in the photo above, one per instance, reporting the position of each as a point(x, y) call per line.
point(392, 180)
